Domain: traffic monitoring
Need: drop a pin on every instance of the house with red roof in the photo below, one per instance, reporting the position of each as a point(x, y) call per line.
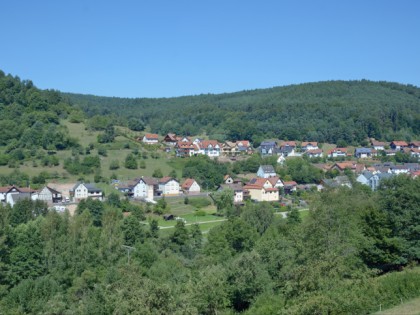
point(150, 138)
point(11, 194)
point(337, 153)
point(190, 186)
point(398, 145)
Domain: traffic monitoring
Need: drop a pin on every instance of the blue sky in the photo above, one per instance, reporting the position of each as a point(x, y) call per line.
point(170, 48)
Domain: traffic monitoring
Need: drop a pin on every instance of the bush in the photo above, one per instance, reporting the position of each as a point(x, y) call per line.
point(199, 202)
point(200, 213)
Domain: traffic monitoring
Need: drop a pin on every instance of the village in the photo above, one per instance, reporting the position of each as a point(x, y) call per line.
point(263, 186)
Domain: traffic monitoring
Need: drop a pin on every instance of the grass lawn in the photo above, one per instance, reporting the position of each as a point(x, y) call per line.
point(411, 307)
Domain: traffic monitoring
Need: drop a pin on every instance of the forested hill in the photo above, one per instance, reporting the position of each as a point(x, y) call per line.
point(345, 112)
point(30, 117)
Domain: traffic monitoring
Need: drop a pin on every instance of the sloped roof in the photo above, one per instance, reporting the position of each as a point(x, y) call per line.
point(268, 168)
point(166, 179)
point(151, 136)
point(188, 183)
point(314, 151)
point(400, 143)
point(312, 143)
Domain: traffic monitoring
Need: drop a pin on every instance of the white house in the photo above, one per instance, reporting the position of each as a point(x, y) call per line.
point(313, 153)
point(210, 148)
point(11, 194)
point(190, 186)
point(337, 152)
point(169, 186)
point(372, 180)
point(309, 146)
point(83, 191)
point(260, 189)
point(50, 195)
point(151, 138)
point(145, 188)
point(266, 171)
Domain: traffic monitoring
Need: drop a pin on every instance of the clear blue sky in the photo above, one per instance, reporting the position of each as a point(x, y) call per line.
point(159, 48)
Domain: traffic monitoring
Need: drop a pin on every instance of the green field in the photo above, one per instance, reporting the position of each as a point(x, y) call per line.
point(411, 307)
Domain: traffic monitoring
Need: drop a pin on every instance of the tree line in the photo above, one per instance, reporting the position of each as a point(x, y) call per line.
point(346, 257)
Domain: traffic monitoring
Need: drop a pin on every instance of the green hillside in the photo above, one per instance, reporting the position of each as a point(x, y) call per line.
point(345, 112)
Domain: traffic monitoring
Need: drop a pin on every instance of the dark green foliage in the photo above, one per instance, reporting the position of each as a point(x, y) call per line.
point(157, 173)
point(207, 172)
point(130, 162)
point(86, 166)
point(30, 117)
point(94, 207)
point(345, 112)
point(198, 202)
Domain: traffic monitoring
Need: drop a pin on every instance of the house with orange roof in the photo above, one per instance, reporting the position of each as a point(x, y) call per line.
point(260, 189)
point(211, 148)
point(398, 145)
point(337, 153)
point(353, 166)
point(150, 138)
point(190, 186)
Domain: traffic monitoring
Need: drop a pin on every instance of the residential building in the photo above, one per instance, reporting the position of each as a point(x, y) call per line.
point(168, 186)
point(83, 191)
point(150, 138)
point(190, 186)
point(314, 153)
point(260, 189)
point(337, 153)
point(146, 188)
point(12, 194)
point(50, 195)
point(378, 145)
point(363, 153)
point(309, 146)
point(266, 171)
point(238, 191)
point(268, 148)
point(398, 145)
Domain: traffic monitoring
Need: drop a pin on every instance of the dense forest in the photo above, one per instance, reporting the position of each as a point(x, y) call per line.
point(343, 112)
point(336, 261)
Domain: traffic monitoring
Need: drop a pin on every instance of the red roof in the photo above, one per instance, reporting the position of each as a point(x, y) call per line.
point(291, 183)
point(243, 143)
point(400, 143)
point(188, 183)
point(151, 136)
point(289, 143)
point(273, 180)
point(207, 143)
point(337, 149)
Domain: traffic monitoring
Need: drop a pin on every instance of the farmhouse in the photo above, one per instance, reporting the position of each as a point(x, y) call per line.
point(50, 195)
point(150, 138)
point(83, 191)
point(168, 186)
point(190, 186)
point(266, 171)
point(145, 188)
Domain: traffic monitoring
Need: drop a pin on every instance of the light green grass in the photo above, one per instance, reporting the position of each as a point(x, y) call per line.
point(411, 307)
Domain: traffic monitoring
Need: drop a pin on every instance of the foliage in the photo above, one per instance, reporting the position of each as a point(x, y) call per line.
point(345, 112)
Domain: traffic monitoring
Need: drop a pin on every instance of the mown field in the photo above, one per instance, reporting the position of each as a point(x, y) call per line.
point(411, 307)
